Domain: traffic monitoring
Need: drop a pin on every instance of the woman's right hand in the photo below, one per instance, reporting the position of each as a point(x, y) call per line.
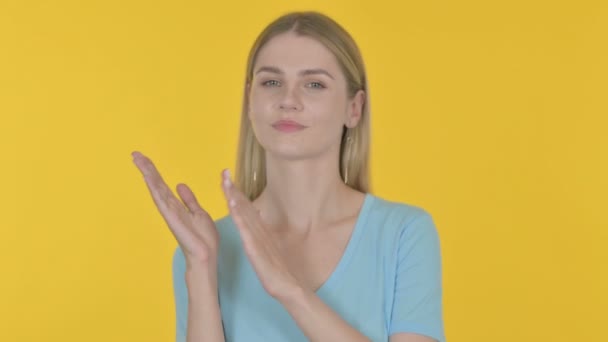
point(191, 225)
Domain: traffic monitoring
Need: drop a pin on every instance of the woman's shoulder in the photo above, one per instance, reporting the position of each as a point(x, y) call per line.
point(396, 211)
point(403, 227)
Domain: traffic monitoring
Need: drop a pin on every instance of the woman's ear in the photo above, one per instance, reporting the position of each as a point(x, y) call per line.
point(355, 109)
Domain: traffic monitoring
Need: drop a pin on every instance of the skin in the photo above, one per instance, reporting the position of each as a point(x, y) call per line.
point(294, 233)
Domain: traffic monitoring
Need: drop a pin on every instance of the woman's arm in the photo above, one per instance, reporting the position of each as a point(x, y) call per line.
point(316, 319)
point(320, 323)
point(204, 316)
point(198, 239)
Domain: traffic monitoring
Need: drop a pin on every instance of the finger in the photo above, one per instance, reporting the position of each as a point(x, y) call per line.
point(243, 212)
point(189, 199)
point(151, 174)
point(162, 195)
point(147, 167)
point(237, 200)
point(173, 211)
point(242, 226)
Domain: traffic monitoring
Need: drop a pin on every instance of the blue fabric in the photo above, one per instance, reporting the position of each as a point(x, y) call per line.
point(387, 281)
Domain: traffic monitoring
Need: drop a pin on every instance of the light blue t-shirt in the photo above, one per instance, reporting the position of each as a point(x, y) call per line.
point(387, 281)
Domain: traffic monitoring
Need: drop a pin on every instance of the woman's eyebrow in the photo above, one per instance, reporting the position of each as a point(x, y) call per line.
point(316, 72)
point(306, 72)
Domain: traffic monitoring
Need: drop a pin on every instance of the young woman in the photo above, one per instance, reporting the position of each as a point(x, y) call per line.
point(306, 252)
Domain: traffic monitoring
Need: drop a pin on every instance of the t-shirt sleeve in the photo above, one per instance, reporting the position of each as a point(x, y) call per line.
point(417, 306)
point(181, 295)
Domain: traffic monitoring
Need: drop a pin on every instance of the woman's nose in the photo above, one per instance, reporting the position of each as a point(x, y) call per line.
point(290, 101)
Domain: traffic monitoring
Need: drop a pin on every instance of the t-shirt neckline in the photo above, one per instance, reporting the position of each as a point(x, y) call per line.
point(350, 247)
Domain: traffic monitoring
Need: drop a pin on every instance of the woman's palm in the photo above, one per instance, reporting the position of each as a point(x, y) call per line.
point(191, 225)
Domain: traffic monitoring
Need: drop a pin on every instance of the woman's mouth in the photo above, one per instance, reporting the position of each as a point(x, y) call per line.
point(288, 126)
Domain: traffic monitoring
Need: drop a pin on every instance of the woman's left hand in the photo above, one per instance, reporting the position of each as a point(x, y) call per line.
point(260, 247)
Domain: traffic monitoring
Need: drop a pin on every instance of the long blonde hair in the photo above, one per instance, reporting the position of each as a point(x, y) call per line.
point(250, 175)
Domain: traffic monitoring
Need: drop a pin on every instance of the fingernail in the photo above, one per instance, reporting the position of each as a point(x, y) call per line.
point(227, 181)
point(232, 203)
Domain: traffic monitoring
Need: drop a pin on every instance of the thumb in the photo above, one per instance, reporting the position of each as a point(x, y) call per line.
point(189, 199)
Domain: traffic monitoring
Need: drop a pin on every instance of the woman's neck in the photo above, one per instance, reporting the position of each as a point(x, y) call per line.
point(302, 196)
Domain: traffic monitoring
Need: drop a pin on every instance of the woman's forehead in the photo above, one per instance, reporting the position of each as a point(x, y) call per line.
point(291, 53)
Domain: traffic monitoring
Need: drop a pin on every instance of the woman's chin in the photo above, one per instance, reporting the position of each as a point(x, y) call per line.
point(289, 152)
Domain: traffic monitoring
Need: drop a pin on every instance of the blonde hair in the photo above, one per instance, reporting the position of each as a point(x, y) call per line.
point(250, 175)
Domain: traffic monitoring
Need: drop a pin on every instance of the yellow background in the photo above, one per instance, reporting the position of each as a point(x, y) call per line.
point(490, 115)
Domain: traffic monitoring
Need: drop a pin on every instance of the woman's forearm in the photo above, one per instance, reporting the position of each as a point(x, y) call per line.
point(317, 320)
point(204, 315)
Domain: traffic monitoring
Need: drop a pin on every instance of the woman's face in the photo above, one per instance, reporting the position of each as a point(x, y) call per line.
point(298, 101)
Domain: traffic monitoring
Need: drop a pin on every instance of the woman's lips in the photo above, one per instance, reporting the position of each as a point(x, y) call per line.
point(288, 126)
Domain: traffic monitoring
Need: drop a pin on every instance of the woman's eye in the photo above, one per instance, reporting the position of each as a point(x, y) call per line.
point(316, 85)
point(270, 83)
